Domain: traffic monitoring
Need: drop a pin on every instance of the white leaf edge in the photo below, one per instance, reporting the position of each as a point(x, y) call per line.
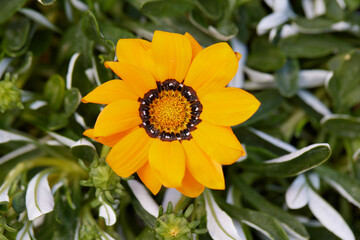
point(61, 139)
point(37, 104)
point(39, 18)
point(105, 236)
point(7, 136)
point(237, 224)
point(258, 76)
point(17, 152)
point(83, 142)
point(240, 47)
point(4, 192)
point(26, 232)
point(342, 191)
point(270, 21)
point(329, 217)
point(4, 63)
point(219, 224)
point(79, 5)
point(70, 71)
point(290, 156)
point(314, 102)
point(274, 141)
point(143, 196)
point(39, 199)
point(107, 212)
point(296, 195)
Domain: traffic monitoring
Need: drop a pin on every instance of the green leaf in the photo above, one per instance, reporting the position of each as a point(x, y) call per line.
point(260, 203)
point(344, 86)
point(352, 4)
point(8, 8)
point(270, 101)
point(315, 25)
point(212, 9)
point(114, 33)
point(39, 18)
point(17, 37)
point(294, 163)
point(287, 78)
point(57, 121)
point(18, 202)
point(342, 125)
point(333, 10)
point(90, 27)
point(264, 56)
point(260, 221)
point(46, 2)
point(163, 8)
point(312, 46)
point(347, 186)
point(71, 101)
point(84, 150)
point(54, 91)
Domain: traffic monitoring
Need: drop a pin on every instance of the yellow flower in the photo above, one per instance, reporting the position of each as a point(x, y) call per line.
point(169, 117)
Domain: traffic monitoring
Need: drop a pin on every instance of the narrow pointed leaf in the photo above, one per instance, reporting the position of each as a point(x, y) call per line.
point(39, 199)
point(39, 18)
point(83, 149)
point(4, 190)
point(342, 125)
point(347, 186)
point(107, 212)
point(285, 218)
point(219, 224)
point(329, 217)
point(296, 195)
point(293, 163)
point(143, 196)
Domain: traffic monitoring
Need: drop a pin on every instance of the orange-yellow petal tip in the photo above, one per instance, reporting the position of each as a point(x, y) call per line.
point(89, 133)
point(238, 55)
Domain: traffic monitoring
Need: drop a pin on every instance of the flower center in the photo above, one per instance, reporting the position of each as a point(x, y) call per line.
point(170, 112)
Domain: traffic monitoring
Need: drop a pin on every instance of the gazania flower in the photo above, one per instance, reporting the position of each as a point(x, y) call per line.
point(169, 117)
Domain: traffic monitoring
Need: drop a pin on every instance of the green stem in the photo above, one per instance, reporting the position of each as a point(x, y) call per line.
point(349, 154)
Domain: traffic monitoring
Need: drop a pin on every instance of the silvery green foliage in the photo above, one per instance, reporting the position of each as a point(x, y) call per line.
point(299, 179)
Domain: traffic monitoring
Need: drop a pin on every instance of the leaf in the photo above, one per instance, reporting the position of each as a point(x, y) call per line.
point(296, 195)
point(26, 232)
point(347, 186)
point(171, 195)
point(259, 221)
point(61, 139)
point(39, 199)
point(312, 46)
point(329, 217)
point(294, 163)
point(7, 136)
point(4, 191)
point(219, 224)
point(18, 202)
point(72, 100)
point(254, 137)
point(69, 74)
point(39, 18)
point(314, 103)
point(344, 86)
point(83, 149)
point(54, 91)
point(8, 8)
point(164, 8)
point(46, 2)
point(264, 56)
point(143, 196)
point(107, 212)
point(212, 9)
point(287, 78)
point(17, 37)
point(342, 125)
point(271, 21)
point(286, 219)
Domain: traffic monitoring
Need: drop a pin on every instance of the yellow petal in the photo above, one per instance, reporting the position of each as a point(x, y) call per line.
point(212, 68)
point(110, 140)
point(137, 79)
point(109, 92)
point(195, 46)
point(118, 116)
point(172, 55)
point(228, 106)
point(218, 142)
point(147, 176)
point(167, 160)
point(130, 153)
point(190, 187)
point(135, 52)
point(205, 170)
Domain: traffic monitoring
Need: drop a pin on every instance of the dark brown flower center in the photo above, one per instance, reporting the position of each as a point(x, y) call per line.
point(170, 112)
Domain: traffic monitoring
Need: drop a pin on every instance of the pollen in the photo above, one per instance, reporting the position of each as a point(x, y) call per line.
point(170, 112)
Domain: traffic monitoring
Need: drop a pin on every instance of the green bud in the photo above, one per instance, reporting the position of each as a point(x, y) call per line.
point(175, 226)
point(10, 95)
point(103, 177)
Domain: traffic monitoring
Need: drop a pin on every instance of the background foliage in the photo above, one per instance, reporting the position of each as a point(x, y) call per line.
point(301, 60)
